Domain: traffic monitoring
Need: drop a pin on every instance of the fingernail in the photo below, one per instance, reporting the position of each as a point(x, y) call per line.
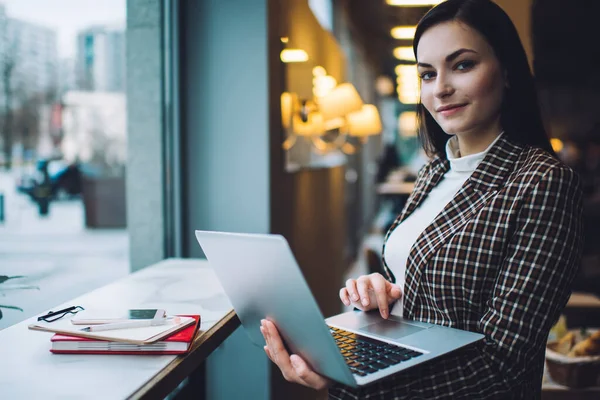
point(365, 302)
point(295, 363)
point(354, 297)
point(384, 313)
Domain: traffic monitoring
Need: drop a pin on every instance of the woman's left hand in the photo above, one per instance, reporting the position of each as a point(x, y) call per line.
point(293, 368)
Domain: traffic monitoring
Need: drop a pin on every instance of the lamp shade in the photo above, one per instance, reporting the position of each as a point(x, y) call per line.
point(342, 100)
point(287, 108)
point(336, 123)
point(365, 122)
point(314, 126)
point(323, 85)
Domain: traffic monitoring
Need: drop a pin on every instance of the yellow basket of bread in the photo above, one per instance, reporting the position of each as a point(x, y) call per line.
point(573, 360)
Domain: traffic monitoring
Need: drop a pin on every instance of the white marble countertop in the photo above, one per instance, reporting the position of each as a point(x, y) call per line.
point(29, 371)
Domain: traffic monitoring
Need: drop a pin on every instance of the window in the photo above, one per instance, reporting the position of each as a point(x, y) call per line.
point(63, 149)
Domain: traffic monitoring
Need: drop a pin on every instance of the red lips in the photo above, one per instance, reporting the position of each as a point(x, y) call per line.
point(450, 107)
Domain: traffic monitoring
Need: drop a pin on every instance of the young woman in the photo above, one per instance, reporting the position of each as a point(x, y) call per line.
point(490, 239)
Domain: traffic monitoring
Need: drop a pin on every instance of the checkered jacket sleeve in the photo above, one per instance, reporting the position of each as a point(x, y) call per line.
point(530, 290)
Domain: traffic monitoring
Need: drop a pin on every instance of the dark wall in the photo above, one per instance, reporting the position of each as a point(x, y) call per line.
point(565, 59)
point(565, 41)
point(317, 232)
point(566, 56)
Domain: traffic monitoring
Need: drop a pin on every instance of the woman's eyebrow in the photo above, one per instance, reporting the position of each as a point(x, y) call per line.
point(450, 57)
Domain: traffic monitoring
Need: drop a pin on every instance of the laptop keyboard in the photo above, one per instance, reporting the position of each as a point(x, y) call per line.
point(365, 355)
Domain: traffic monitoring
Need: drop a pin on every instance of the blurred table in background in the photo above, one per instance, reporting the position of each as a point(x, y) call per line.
point(395, 188)
point(399, 182)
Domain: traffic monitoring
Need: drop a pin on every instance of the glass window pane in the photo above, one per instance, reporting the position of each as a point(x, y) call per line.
point(63, 149)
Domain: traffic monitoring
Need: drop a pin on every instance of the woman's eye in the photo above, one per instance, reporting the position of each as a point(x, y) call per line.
point(427, 76)
point(464, 65)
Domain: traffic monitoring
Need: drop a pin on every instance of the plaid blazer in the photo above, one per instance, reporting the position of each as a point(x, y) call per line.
point(499, 259)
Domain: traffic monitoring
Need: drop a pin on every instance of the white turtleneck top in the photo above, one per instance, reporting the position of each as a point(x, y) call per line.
point(405, 235)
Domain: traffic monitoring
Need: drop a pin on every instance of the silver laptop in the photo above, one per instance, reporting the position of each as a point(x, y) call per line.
point(262, 280)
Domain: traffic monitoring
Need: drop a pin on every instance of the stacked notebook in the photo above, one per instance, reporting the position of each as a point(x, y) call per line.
point(173, 339)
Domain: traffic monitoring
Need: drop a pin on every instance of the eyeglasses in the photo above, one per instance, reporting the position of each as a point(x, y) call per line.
point(52, 316)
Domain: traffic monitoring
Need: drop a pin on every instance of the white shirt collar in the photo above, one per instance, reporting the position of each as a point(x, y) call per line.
point(467, 163)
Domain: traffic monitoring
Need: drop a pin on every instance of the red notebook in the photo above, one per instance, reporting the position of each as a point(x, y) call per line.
point(177, 343)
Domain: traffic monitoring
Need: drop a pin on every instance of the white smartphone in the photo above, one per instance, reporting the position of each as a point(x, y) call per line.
point(92, 318)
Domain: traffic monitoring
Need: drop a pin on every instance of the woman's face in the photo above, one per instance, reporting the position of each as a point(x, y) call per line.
point(462, 82)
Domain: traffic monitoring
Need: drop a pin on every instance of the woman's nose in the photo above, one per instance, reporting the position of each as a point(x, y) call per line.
point(443, 88)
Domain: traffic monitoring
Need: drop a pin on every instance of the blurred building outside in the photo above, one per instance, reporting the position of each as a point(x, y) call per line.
point(28, 83)
point(101, 58)
point(30, 51)
point(94, 129)
point(35, 83)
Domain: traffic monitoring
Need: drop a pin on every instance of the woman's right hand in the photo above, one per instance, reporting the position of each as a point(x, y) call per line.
point(369, 292)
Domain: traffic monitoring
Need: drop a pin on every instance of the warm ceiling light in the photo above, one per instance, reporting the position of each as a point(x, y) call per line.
point(319, 71)
point(404, 53)
point(285, 39)
point(557, 144)
point(403, 32)
point(384, 85)
point(408, 97)
point(323, 85)
point(408, 84)
point(404, 69)
point(407, 124)
point(413, 3)
point(293, 55)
